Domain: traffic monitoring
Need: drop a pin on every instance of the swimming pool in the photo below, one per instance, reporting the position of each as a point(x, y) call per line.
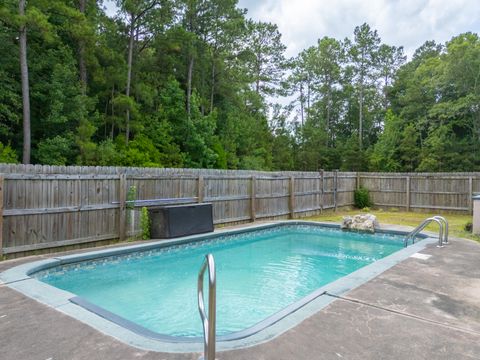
point(264, 275)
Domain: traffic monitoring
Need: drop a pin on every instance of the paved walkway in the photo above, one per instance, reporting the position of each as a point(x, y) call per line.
point(419, 309)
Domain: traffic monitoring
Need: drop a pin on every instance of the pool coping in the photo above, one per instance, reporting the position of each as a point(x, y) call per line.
point(19, 279)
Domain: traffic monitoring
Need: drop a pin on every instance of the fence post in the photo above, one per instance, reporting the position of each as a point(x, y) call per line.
point(253, 187)
point(291, 203)
point(358, 180)
point(322, 197)
point(201, 188)
point(335, 179)
point(470, 195)
point(407, 187)
point(2, 182)
point(122, 221)
point(317, 196)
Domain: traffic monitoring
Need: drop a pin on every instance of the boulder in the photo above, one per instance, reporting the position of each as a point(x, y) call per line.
point(346, 222)
point(362, 222)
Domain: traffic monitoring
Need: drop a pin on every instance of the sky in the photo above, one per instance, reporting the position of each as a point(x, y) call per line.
point(407, 23)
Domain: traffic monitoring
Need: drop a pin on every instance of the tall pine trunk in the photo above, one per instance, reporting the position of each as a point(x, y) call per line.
point(302, 104)
point(82, 67)
point(112, 132)
point(212, 88)
point(360, 115)
point(189, 84)
point(25, 85)
point(308, 97)
point(385, 94)
point(258, 71)
point(329, 110)
point(129, 74)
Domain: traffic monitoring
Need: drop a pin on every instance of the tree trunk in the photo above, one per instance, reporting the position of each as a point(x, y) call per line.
point(258, 73)
point(189, 84)
point(112, 132)
point(129, 74)
point(212, 89)
point(25, 85)
point(82, 67)
point(308, 98)
point(360, 116)
point(329, 109)
point(477, 125)
point(302, 100)
point(385, 94)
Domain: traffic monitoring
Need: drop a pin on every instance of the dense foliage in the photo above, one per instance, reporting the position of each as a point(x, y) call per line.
point(189, 83)
point(361, 198)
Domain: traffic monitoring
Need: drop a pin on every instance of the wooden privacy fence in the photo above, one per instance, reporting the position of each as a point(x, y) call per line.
point(50, 206)
point(422, 191)
point(45, 207)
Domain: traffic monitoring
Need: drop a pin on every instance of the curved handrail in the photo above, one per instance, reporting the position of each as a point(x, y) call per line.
point(422, 226)
point(415, 231)
point(445, 226)
point(207, 322)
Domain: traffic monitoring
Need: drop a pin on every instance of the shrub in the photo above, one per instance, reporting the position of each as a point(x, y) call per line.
point(131, 197)
point(145, 223)
point(7, 154)
point(468, 227)
point(55, 151)
point(361, 198)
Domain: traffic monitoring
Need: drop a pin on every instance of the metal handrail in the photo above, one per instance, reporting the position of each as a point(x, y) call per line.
point(423, 225)
point(207, 322)
point(445, 228)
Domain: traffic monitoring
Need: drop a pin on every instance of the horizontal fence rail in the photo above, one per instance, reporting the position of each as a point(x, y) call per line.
point(44, 207)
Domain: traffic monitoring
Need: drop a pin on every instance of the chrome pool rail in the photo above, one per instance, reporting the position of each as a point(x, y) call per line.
point(442, 230)
point(208, 322)
point(445, 228)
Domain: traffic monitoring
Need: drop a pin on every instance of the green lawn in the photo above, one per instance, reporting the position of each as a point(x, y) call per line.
point(456, 222)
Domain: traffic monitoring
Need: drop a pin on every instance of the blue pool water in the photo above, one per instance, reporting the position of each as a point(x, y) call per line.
point(258, 274)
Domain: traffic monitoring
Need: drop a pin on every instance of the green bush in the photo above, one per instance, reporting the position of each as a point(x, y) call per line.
point(131, 197)
point(145, 223)
point(7, 154)
point(361, 198)
point(468, 227)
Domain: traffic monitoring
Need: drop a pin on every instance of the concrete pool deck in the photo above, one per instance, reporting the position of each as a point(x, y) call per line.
point(418, 309)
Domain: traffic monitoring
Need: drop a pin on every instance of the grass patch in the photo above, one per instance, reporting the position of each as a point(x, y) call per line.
point(456, 222)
